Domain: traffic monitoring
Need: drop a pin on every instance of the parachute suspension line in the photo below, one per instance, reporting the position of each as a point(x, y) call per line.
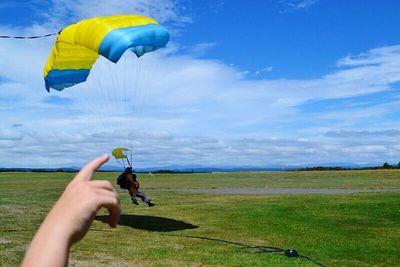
point(116, 95)
point(131, 77)
point(86, 106)
point(140, 89)
point(120, 97)
point(135, 101)
point(123, 119)
point(99, 125)
point(129, 163)
point(122, 164)
point(131, 157)
point(124, 84)
point(146, 70)
point(106, 108)
point(99, 110)
point(139, 96)
point(149, 68)
point(110, 89)
point(105, 94)
point(28, 37)
point(127, 85)
point(132, 74)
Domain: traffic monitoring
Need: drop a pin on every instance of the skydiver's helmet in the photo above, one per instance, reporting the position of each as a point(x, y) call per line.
point(129, 169)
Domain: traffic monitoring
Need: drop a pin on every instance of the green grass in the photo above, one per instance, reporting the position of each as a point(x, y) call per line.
point(368, 179)
point(341, 230)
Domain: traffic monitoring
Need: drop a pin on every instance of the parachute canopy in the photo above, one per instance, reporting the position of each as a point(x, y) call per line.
point(118, 153)
point(78, 46)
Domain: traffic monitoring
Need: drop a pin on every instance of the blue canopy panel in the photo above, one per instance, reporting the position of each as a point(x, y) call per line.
point(138, 39)
point(60, 79)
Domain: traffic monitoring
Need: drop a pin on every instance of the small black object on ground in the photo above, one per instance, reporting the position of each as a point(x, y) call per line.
point(291, 253)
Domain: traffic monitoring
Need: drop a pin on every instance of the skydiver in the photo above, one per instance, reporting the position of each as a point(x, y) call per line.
point(128, 180)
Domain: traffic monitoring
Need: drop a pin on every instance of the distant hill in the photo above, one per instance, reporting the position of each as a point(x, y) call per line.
point(205, 169)
point(39, 169)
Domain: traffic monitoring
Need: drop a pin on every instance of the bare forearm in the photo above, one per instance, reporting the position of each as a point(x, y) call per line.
point(70, 218)
point(50, 246)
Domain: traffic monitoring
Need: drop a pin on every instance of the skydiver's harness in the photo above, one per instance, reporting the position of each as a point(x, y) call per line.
point(126, 180)
point(122, 181)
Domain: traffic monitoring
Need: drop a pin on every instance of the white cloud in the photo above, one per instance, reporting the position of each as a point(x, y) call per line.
point(363, 134)
point(165, 150)
point(201, 48)
point(69, 11)
point(292, 5)
point(263, 70)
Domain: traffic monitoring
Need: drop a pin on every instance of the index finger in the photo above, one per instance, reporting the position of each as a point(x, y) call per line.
point(86, 173)
point(114, 215)
point(114, 209)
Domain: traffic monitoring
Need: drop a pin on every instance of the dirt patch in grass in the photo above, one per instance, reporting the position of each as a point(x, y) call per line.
point(281, 191)
point(103, 260)
point(5, 241)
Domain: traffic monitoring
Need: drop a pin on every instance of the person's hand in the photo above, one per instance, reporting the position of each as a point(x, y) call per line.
point(70, 218)
point(78, 205)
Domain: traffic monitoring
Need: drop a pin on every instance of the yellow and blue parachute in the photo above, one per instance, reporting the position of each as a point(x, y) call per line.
point(119, 153)
point(123, 154)
point(79, 45)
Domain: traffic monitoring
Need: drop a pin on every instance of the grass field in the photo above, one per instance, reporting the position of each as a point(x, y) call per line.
point(190, 229)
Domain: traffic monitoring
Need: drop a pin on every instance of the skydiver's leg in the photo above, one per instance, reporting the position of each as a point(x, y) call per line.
point(133, 193)
point(132, 189)
point(144, 198)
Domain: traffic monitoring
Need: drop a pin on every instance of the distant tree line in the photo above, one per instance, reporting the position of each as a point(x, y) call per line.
point(321, 168)
point(171, 171)
point(167, 171)
point(73, 170)
point(36, 170)
point(388, 166)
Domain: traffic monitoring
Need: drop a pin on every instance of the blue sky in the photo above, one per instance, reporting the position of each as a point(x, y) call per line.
point(297, 43)
point(275, 82)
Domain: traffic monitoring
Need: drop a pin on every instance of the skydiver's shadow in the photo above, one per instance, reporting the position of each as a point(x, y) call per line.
point(150, 223)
